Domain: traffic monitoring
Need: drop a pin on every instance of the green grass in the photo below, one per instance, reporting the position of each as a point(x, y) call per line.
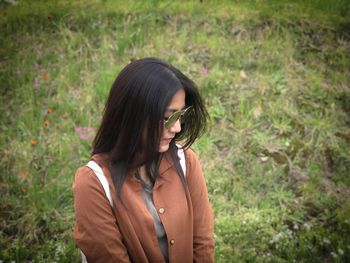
point(275, 78)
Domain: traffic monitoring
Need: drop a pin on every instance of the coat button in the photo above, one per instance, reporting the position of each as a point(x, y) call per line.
point(161, 210)
point(172, 242)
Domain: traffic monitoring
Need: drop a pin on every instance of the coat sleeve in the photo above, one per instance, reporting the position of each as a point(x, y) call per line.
point(203, 217)
point(95, 231)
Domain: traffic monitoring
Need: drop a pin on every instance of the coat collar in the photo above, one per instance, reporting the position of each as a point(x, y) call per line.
point(166, 163)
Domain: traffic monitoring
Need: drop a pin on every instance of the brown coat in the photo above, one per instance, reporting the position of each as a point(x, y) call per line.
point(127, 234)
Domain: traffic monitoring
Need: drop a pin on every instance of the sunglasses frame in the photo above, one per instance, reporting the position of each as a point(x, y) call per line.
point(173, 118)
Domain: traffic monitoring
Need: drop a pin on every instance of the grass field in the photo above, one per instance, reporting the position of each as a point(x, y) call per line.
point(275, 76)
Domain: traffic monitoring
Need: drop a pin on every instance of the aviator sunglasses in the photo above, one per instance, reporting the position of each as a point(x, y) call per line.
point(178, 115)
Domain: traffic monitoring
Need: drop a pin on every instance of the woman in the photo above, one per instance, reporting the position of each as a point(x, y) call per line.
point(158, 213)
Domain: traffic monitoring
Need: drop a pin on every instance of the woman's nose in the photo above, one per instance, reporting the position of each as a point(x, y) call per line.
point(176, 127)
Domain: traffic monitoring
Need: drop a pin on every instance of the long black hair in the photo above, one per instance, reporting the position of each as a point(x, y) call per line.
point(130, 130)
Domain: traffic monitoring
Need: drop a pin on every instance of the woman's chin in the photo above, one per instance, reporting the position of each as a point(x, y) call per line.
point(163, 147)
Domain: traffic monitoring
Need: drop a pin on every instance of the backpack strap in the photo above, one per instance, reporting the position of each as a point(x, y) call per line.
point(83, 257)
point(181, 154)
point(102, 178)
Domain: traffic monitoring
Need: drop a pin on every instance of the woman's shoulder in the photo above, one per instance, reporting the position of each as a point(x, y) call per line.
point(192, 159)
point(84, 176)
point(190, 154)
point(83, 179)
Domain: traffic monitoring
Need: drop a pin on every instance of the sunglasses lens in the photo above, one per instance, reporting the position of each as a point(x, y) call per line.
point(176, 116)
point(172, 119)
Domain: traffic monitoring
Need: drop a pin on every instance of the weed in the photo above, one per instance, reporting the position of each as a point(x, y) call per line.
point(275, 79)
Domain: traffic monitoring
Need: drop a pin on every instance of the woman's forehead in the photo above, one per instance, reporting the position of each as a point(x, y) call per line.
point(174, 110)
point(177, 102)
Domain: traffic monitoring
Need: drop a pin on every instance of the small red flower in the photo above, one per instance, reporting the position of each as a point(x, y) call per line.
point(46, 123)
point(23, 174)
point(46, 76)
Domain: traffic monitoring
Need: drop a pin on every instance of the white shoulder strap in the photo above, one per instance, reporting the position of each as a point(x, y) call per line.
point(83, 257)
point(181, 154)
point(102, 178)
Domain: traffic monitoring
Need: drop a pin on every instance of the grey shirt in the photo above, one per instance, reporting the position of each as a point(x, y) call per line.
point(161, 235)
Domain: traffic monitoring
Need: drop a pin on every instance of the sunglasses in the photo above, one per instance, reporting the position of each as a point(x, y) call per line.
point(178, 115)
